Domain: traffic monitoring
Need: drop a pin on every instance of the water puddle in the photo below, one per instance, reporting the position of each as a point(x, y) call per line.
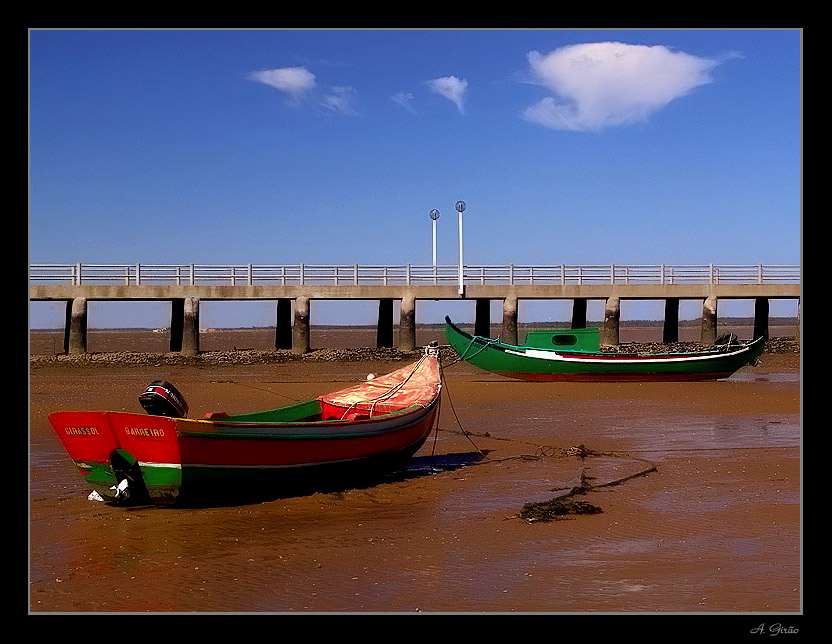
point(715, 433)
point(750, 376)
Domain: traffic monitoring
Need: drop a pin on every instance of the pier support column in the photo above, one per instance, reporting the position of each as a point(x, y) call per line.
point(709, 321)
point(300, 329)
point(482, 319)
point(177, 315)
point(797, 329)
point(190, 326)
point(75, 337)
point(612, 315)
point(671, 320)
point(509, 333)
point(283, 325)
point(579, 313)
point(407, 324)
point(384, 333)
point(760, 317)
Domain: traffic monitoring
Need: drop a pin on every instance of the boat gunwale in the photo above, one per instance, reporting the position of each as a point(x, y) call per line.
point(258, 430)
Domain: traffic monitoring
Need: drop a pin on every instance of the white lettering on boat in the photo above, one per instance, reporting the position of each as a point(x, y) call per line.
point(81, 431)
point(144, 431)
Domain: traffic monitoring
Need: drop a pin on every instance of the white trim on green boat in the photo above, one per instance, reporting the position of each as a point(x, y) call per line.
point(614, 359)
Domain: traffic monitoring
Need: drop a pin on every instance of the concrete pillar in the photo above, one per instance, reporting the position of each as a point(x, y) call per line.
point(482, 319)
point(300, 329)
point(384, 333)
point(612, 315)
point(177, 315)
point(190, 326)
point(579, 313)
point(67, 324)
point(797, 330)
point(760, 317)
point(709, 320)
point(671, 320)
point(283, 325)
point(75, 339)
point(407, 324)
point(509, 333)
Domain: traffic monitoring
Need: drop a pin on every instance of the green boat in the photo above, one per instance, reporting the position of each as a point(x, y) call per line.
point(575, 355)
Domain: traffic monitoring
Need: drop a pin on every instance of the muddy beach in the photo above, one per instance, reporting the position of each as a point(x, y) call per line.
point(697, 488)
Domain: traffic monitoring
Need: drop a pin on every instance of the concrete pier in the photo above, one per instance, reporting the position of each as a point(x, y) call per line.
point(612, 316)
point(670, 330)
point(407, 324)
point(760, 317)
point(509, 334)
point(177, 317)
point(482, 318)
point(708, 335)
point(293, 330)
point(579, 313)
point(190, 326)
point(384, 331)
point(76, 340)
point(283, 324)
point(300, 330)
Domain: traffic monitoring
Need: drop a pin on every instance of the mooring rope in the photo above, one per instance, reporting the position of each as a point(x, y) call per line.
point(486, 342)
point(453, 409)
point(541, 451)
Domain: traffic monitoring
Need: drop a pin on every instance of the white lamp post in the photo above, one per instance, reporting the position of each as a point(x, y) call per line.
point(460, 208)
point(434, 214)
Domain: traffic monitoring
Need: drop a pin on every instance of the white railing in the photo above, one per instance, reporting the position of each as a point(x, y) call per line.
point(408, 274)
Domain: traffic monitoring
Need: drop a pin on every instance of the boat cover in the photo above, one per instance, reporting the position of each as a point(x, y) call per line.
point(415, 384)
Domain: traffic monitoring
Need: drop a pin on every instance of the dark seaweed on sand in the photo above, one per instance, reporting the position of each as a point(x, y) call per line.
point(557, 509)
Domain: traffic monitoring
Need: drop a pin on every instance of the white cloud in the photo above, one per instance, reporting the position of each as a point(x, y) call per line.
point(601, 85)
point(452, 88)
point(297, 82)
point(403, 99)
point(340, 101)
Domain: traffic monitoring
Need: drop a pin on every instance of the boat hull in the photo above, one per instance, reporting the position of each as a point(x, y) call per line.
point(363, 429)
point(535, 364)
point(174, 456)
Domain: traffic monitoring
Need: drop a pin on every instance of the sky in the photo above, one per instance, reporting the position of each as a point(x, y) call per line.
point(332, 146)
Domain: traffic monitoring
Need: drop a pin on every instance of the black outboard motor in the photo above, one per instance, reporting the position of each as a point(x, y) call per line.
point(163, 399)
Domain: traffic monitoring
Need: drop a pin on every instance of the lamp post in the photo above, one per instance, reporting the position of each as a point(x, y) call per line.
point(460, 208)
point(434, 214)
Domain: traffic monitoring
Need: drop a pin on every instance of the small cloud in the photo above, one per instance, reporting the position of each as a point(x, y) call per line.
point(340, 100)
point(452, 88)
point(601, 85)
point(297, 82)
point(403, 99)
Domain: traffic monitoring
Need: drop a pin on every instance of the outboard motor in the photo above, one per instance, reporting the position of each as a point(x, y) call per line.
point(161, 398)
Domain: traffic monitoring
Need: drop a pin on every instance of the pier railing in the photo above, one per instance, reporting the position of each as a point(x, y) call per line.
point(409, 274)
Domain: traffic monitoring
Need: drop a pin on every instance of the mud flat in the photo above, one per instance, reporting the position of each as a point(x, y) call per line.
point(697, 488)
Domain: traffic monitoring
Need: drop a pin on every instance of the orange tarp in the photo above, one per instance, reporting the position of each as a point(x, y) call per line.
point(415, 384)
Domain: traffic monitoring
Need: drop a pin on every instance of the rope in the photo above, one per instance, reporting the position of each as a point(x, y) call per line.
point(453, 409)
point(541, 451)
point(486, 343)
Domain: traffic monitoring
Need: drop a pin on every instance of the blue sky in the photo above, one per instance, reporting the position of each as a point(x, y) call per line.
point(331, 147)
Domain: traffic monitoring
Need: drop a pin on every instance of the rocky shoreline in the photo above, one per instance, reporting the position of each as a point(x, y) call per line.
point(255, 356)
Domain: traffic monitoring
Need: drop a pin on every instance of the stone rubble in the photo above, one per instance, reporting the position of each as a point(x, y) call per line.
point(256, 356)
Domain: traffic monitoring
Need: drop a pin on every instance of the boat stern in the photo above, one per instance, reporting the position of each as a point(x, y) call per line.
point(122, 456)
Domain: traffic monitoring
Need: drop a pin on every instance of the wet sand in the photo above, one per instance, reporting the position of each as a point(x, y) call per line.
point(699, 487)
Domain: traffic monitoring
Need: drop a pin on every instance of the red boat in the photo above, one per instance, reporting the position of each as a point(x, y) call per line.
point(162, 457)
